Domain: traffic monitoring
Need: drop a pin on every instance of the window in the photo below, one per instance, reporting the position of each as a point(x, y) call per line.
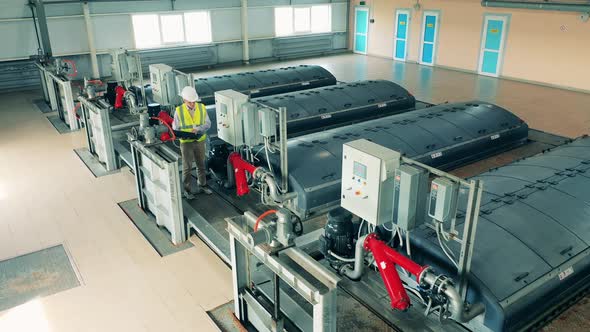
point(302, 20)
point(157, 30)
point(172, 28)
point(198, 27)
point(283, 21)
point(146, 30)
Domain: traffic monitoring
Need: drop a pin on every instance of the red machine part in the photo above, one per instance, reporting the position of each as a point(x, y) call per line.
point(119, 93)
point(387, 258)
point(167, 121)
point(269, 212)
point(240, 167)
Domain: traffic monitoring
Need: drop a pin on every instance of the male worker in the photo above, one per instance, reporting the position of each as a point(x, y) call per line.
point(191, 117)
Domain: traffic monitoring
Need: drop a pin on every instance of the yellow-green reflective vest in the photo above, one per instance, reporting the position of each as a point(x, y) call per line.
point(187, 122)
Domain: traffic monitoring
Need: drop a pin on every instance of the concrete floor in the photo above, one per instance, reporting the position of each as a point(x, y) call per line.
point(47, 196)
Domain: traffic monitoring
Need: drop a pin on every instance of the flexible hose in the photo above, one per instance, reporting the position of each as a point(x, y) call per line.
point(338, 257)
point(262, 217)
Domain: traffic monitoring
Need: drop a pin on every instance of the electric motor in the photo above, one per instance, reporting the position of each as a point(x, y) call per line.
point(338, 235)
point(110, 94)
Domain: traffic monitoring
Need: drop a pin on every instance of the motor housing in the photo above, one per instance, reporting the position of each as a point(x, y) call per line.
point(338, 235)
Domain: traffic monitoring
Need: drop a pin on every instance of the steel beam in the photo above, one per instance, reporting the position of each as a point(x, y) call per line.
point(39, 7)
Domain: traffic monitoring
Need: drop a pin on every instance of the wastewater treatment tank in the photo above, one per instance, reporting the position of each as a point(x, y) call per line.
point(318, 108)
point(443, 136)
point(265, 82)
point(531, 251)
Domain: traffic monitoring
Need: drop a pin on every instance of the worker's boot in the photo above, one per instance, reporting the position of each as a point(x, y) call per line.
point(204, 190)
point(188, 194)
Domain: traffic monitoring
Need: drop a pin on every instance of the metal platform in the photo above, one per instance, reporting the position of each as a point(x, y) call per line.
point(158, 237)
point(93, 165)
point(59, 125)
point(42, 105)
point(37, 274)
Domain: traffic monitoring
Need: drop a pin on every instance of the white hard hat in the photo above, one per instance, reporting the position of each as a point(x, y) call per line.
point(189, 94)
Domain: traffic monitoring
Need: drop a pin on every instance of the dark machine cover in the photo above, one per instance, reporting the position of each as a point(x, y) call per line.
point(265, 82)
point(310, 110)
point(442, 136)
point(532, 239)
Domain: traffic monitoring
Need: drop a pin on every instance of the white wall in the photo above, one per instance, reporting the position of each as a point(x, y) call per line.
point(547, 47)
point(113, 28)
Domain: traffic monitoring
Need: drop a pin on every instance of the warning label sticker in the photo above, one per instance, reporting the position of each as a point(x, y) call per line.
point(566, 273)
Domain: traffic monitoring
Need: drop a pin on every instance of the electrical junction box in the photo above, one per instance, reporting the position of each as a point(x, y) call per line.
point(410, 191)
point(367, 180)
point(163, 84)
point(251, 124)
point(443, 199)
point(268, 122)
point(124, 65)
point(228, 107)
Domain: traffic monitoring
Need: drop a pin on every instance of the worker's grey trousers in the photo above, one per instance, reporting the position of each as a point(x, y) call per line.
point(193, 152)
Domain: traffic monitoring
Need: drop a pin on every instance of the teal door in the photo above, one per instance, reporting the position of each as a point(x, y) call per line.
point(429, 38)
point(402, 26)
point(492, 45)
point(361, 29)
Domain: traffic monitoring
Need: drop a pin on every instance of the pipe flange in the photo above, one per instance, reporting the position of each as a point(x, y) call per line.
point(423, 274)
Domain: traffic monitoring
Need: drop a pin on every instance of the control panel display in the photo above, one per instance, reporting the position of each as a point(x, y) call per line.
point(359, 170)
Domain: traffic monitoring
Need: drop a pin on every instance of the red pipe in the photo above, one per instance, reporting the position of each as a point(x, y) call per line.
point(240, 168)
point(262, 217)
point(387, 258)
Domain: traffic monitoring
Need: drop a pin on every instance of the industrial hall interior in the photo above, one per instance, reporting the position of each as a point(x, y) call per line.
point(294, 165)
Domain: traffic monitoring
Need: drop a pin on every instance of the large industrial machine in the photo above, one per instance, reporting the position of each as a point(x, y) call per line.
point(56, 75)
point(163, 93)
point(271, 251)
point(303, 173)
point(410, 242)
point(423, 249)
point(243, 123)
point(265, 82)
point(61, 89)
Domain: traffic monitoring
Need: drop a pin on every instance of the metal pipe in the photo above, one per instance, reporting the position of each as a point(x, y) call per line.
point(39, 48)
point(537, 6)
point(91, 46)
point(458, 310)
point(284, 150)
point(125, 126)
point(131, 101)
point(274, 192)
point(347, 41)
point(359, 261)
point(245, 37)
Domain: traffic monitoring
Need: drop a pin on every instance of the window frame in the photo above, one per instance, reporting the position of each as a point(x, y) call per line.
point(162, 43)
point(302, 33)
